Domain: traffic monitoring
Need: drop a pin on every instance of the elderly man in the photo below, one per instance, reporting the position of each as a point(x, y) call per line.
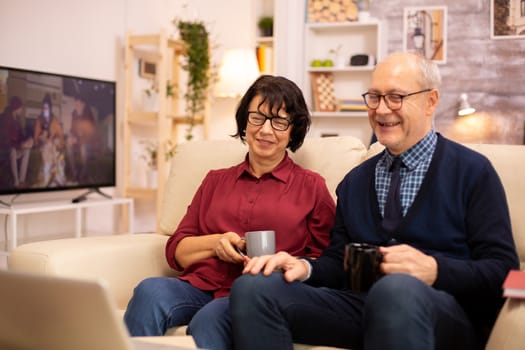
point(444, 257)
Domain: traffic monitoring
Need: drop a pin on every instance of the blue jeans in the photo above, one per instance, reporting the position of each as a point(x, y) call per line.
point(211, 326)
point(399, 312)
point(159, 303)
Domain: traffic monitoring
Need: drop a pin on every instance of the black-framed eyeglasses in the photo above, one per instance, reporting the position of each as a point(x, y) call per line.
point(393, 101)
point(278, 123)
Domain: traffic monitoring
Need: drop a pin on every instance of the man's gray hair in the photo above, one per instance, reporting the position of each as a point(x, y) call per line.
point(430, 76)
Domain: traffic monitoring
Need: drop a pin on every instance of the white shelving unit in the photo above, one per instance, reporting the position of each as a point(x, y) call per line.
point(349, 82)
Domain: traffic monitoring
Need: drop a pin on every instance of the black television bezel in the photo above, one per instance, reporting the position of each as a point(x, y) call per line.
point(113, 181)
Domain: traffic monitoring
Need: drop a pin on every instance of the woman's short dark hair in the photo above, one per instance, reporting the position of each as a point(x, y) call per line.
point(278, 93)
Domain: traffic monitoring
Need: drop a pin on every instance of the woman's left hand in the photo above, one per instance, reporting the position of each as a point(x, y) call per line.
point(227, 245)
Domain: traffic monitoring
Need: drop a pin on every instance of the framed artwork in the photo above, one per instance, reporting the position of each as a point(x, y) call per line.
point(425, 31)
point(147, 69)
point(507, 19)
point(323, 91)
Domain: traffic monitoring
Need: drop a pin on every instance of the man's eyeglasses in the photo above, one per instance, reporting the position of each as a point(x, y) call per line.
point(393, 101)
point(278, 123)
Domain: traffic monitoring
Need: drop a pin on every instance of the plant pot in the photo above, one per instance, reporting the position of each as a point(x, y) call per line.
point(266, 32)
point(150, 102)
point(152, 178)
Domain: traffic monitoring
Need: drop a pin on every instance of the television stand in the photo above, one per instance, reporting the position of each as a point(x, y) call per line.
point(83, 196)
point(5, 204)
point(16, 210)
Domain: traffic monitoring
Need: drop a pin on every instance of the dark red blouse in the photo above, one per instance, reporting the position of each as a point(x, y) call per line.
point(292, 201)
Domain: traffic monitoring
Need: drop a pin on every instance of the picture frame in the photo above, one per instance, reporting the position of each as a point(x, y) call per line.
point(425, 31)
point(323, 91)
point(147, 69)
point(506, 19)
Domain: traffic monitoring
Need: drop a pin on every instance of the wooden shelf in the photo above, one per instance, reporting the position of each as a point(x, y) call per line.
point(268, 40)
point(341, 69)
point(149, 118)
point(165, 53)
point(184, 119)
point(141, 192)
point(142, 117)
point(340, 25)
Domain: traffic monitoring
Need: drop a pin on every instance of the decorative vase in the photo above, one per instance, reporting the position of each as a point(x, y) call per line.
point(340, 61)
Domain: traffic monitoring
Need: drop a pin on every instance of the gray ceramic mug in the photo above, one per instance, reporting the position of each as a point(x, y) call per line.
point(260, 242)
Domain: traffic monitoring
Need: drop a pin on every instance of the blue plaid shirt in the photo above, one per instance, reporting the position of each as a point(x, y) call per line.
point(416, 162)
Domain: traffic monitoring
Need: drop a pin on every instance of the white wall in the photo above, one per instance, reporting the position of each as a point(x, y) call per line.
point(85, 38)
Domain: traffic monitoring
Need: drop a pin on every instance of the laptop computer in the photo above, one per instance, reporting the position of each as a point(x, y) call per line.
point(39, 312)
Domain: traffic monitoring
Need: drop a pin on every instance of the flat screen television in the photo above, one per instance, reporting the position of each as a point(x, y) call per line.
point(57, 132)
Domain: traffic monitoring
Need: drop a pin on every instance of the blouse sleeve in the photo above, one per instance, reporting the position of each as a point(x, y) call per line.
point(321, 219)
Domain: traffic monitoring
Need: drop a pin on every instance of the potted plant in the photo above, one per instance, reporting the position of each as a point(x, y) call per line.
point(151, 102)
point(339, 59)
point(150, 155)
point(154, 89)
point(197, 64)
point(265, 25)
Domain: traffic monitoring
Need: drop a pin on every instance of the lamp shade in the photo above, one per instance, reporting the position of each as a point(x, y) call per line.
point(464, 106)
point(237, 72)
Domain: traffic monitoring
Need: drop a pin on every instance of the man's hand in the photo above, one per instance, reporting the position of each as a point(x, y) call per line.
point(226, 247)
point(406, 259)
point(292, 268)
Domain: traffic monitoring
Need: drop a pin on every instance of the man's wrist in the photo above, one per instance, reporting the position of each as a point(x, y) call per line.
point(308, 269)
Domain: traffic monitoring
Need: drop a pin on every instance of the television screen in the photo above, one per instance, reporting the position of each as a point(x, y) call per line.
point(57, 132)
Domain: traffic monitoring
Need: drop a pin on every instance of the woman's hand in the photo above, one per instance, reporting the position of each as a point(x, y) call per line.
point(293, 269)
point(221, 245)
point(228, 247)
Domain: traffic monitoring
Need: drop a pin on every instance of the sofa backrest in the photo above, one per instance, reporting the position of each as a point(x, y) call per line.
point(332, 157)
point(508, 160)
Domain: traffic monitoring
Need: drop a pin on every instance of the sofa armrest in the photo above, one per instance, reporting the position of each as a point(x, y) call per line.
point(508, 331)
point(121, 261)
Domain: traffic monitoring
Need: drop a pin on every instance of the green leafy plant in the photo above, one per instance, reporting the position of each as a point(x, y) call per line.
point(265, 24)
point(197, 64)
point(154, 88)
point(150, 154)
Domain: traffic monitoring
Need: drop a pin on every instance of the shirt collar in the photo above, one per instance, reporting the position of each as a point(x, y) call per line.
point(281, 172)
point(414, 155)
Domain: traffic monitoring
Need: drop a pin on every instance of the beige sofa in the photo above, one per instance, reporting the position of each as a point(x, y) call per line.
point(123, 260)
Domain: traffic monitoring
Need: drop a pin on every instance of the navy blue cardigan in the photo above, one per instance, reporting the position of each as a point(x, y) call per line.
point(460, 216)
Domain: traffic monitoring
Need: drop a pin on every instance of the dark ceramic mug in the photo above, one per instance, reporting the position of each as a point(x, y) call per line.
point(361, 264)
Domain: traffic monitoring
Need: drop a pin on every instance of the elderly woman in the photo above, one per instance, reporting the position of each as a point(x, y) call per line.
point(266, 191)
